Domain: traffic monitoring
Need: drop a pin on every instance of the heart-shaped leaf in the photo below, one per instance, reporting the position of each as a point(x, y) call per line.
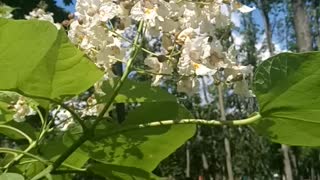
point(142, 148)
point(38, 60)
point(287, 87)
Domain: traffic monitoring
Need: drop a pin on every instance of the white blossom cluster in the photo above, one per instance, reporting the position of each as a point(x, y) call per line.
point(42, 15)
point(186, 28)
point(63, 119)
point(5, 11)
point(22, 109)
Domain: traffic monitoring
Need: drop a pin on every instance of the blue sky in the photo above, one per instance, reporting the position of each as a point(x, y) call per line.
point(68, 8)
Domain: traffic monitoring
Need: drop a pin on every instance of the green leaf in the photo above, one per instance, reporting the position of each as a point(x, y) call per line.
point(53, 148)
point(38, 60)
point(142, 148)
point(11, 176)
point(22, 126)
point(116, 172)
point(62, 177)
point(133, 91)
point(287, 87)
point(28, 169)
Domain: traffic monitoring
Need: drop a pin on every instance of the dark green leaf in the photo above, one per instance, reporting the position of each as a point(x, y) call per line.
point(22, 126)
point(133, 91)
point(53, 148)
point(116, 172)
point(29, 169)
point(287, 87)
point(62, 177)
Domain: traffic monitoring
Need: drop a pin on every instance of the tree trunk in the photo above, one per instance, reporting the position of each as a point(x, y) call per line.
point(286, 162)
point(263, 6)
point(294, 164)
point(226, 140)
point(188, 160)
point(264, 9)
point(301, 26)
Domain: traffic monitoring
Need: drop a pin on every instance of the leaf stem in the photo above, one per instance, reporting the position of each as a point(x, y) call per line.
point(18, 157)
point(18, 131)
point(89, 133)
point(241, 122)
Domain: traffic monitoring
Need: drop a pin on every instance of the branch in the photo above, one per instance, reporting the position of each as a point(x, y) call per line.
point(88, 134)
point(19, 132)
point(15, 151)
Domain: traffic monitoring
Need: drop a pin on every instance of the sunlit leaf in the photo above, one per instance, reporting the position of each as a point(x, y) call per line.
point(287, 87)
point(142, 147)
point(11, 176)
point(38, 60)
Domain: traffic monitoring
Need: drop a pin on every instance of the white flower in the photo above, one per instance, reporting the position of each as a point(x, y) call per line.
point(40, 14)
point(108, 11)
point(22, 109)
point(5, 11)
point(62, 118)
point(196, 56)
point(246, 9)
point(87, 8)
point(148, 14)
point(157, 67)
point(240, 76)
point(202, 70)
point(188, 85)
point(156, 15)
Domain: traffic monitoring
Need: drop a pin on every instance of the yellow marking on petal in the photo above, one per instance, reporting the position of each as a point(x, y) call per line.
point(148, 11)
point(196, 65)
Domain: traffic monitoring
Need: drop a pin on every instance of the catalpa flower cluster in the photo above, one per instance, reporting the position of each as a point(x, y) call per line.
point(187, 32)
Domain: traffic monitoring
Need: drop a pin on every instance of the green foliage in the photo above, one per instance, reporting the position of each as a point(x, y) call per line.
point(10, 176)
point(133, 91)
point(116, 172)
point(29, 169)
point(133, 146)
point(14, 130)
point(54, 147)
point(38, 60)
point(287, 87)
